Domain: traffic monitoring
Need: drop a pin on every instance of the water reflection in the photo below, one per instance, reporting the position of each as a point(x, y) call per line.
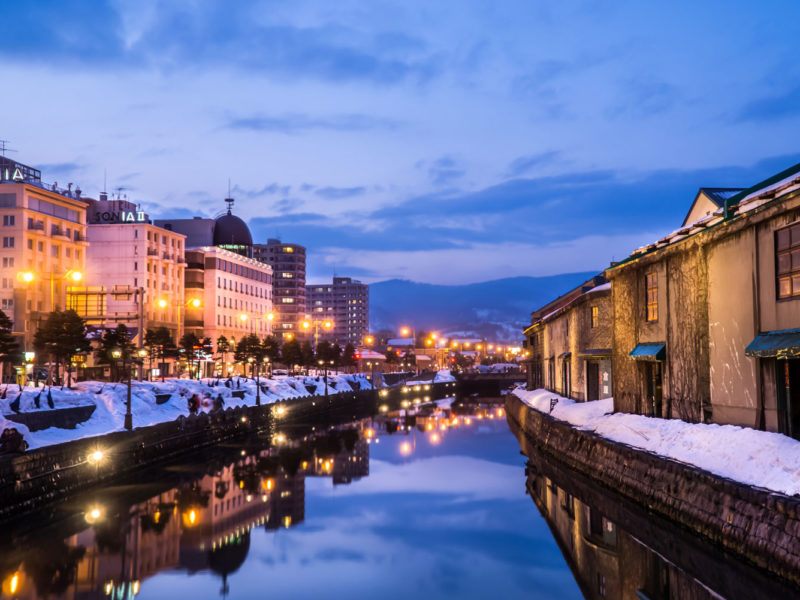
point(422, 502)
point(618, 550)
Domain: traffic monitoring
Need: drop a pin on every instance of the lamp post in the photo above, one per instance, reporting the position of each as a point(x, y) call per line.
point(325, 323)
point(30, 276)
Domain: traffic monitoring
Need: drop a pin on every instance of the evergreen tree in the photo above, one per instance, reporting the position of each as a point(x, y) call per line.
point(292, 354)
point(189, 344)
point(115, 340)
point(159, 344)
point(336, 355)
point(324, 351)
point(307, 356)
point(60, 337)
point(349, 356)
point(9, 348)
point(272, 348)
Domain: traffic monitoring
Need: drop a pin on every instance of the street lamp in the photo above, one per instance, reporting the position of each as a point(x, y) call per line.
point(71, 274)
point(326, 324)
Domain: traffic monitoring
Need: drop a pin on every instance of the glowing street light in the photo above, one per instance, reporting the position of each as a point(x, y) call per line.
point(96, 456)
point(195, 302)
point(162, 303)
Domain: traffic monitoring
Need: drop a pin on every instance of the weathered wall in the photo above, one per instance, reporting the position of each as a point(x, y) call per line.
point(755, 525)
point(627, 384)
point(682, 325)
point(732, 325)
point(686, 371)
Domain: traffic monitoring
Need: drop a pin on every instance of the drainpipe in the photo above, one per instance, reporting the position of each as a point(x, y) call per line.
point(726, 210)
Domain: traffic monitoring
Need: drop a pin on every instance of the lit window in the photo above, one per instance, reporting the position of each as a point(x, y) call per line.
point(595, 316)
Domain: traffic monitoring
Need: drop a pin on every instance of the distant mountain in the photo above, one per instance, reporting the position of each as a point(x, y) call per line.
point(497, 310)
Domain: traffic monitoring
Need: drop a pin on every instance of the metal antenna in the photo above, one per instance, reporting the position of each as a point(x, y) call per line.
point(104, 180)
point(4, 148)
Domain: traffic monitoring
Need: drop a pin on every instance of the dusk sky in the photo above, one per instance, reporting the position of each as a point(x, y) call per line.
point(444, 142)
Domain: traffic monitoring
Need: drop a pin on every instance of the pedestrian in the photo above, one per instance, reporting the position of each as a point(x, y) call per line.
point(219, 403)
point(193, 404)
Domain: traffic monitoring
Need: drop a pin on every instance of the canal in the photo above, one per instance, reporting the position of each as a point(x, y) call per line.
point(441, 504)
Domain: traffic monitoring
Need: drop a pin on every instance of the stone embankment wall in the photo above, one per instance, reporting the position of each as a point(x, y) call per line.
point(758, 526)
point(34, 479)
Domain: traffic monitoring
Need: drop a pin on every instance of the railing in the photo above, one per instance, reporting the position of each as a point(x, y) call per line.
point(38, 226)
point(152, 252)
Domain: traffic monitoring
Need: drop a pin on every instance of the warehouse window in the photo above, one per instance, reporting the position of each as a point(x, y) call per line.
point(652, 296)
point(787, 261)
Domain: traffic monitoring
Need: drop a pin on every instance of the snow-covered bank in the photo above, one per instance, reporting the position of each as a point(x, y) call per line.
point(759, 458)
point(109, 399)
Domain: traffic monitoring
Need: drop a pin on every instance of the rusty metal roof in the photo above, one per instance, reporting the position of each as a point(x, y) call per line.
point(781, 344)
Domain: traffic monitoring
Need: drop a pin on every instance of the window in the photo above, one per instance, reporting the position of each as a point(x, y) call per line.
point(54, 251)
point(652, 296)
point(8, 242)
point(8, 220)
point(787, 259)
point(30, 244)
point(595, 316)
point(8, 303)
point(8, 261)
point(40, 246)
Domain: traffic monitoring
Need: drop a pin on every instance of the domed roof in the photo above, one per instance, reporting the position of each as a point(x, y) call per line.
point(232, 233)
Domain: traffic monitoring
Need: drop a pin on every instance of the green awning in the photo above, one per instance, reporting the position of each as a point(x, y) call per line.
point(775, 344)
point(652, 351)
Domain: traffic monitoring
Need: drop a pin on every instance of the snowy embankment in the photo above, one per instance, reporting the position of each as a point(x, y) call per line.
point(758, 458)
point(109, 399)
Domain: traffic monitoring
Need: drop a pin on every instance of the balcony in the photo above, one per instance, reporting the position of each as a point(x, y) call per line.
point(37, 226)
point(152, 252)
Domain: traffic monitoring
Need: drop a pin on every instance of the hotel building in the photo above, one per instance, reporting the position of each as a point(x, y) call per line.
point(236, 294)
point(134, 271)
point(288, 262)
point(42, 246)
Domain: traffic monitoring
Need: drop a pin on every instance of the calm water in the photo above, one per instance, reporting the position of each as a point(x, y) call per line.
point(439, 510)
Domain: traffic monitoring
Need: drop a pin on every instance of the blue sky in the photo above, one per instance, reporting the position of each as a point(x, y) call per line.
point(444, 142)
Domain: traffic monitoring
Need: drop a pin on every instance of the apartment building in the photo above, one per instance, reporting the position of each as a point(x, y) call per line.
point(345, 302)
point(288, 262)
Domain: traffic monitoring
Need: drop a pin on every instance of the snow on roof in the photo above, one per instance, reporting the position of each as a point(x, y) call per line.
point(600, 288)
point(371, 354)
point(400, 342)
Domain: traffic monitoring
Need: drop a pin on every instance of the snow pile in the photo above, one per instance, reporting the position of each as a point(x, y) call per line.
point(110, 399)
point(758, 458)
point(443, 376)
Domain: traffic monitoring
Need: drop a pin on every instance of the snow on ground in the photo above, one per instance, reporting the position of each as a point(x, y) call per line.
point(443, 376)
point(109, 398)
point(759, 458)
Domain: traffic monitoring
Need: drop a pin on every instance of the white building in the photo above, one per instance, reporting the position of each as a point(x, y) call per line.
point(236, 292)
point(134, 271)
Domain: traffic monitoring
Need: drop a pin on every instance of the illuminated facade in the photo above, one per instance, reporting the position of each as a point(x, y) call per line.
point(134, 271)
point(345, 301)
point(236, 294)
point(42, 246)
point(288, 262)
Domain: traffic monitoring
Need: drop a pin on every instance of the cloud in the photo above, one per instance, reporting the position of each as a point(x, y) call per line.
point(523, 164)
point(336, 193)
point(166, 35)
point(445, 170)
point(298, 122)
point(773, 108)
